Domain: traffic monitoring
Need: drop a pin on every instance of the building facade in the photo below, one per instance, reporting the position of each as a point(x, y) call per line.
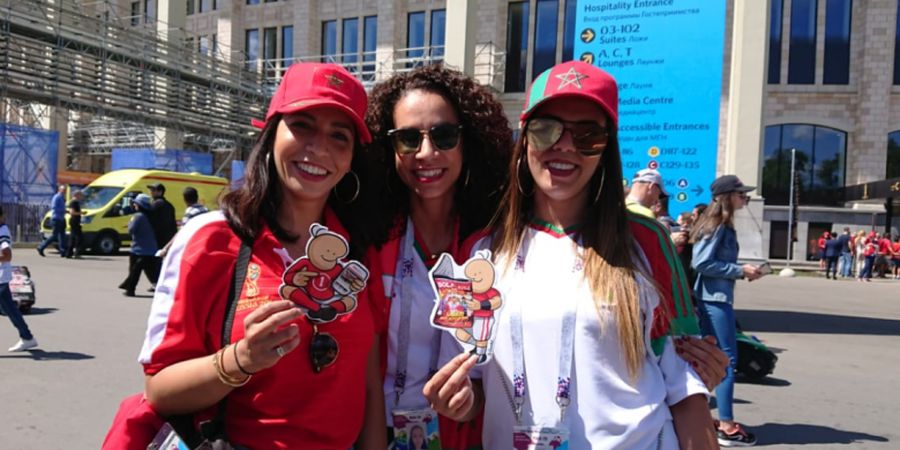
point(818, 76)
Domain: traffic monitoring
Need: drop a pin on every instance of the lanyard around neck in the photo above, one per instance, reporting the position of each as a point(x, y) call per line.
point(566, 351)
point(402, 292)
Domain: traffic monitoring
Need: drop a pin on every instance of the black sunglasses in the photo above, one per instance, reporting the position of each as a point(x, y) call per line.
point(323, 350)
point(588, 137)
point(444, 136)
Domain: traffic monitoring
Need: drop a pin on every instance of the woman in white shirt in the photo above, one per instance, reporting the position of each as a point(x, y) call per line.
point(573, 360)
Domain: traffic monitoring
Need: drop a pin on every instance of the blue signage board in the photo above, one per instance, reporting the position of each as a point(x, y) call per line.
point(666, 56)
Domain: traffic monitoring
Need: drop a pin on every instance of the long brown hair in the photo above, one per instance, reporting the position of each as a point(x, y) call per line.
point(609, 260)
point(260, 196)
point(720, 212)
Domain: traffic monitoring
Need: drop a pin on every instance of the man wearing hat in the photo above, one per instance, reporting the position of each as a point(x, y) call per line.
point(162, 218)
point(143, 246)
point(646, 190)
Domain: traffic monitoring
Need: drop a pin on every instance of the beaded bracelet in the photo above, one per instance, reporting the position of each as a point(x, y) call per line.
point(223, 376)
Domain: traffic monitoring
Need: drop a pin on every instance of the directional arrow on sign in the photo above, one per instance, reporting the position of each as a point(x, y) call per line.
point(587, 57)
point(697, 190)
point(587, 35)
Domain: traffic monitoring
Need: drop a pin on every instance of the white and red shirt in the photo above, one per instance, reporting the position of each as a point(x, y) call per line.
point(287, 406)
point(607, 410)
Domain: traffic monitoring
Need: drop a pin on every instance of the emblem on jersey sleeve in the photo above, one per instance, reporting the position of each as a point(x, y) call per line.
point(466, 301)
point(322, 283)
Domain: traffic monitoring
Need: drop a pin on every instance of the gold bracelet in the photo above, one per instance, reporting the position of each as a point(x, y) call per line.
point(223, 376)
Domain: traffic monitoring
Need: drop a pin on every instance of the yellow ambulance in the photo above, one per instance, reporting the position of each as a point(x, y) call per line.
point(107, 203)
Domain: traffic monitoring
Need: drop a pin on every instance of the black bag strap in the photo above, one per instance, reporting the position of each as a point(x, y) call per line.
point(183, 424)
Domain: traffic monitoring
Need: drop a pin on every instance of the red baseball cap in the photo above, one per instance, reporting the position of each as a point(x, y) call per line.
point(305, 85)
point(578, 80)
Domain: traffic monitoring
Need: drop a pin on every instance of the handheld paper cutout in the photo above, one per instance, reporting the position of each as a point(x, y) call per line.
point(467, 301)
point(322, 283)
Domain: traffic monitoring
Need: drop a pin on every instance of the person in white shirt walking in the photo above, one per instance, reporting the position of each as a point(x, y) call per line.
point(26, 339)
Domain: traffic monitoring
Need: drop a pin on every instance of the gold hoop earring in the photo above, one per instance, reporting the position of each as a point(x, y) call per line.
point(355, 194)
point(602, 180)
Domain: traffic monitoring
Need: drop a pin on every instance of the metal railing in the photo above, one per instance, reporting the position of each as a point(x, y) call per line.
point(369, 69)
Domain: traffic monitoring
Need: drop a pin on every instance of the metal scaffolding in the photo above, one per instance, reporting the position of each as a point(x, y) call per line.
point(119, 85)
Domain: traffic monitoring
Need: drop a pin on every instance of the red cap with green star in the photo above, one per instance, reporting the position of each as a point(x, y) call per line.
point(574, 79)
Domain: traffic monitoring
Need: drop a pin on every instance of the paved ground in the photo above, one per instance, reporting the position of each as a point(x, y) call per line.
point(834, 386)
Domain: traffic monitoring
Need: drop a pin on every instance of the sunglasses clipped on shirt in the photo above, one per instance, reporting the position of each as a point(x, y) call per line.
point(323, 350)
point(589, 138)
point(443, 136)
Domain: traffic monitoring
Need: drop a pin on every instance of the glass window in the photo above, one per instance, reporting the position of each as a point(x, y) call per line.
point(189, 4)
point(204, 45)
point(207, 5)
point(775, 26)
point(802, 60)
point(287, 46)
point(251, 48)
point(370, 45)
point(350, 43)
point(215, 44)
point(820, 163)
point(544, 36)
point(897, 50)
point(270, 50)
point(252, 2)
point(149, 11)
point(837, 42)
point(516, 46)
point(893, 155)
point(778, 234)
point(135, 13)
point(329, 40)
point(438, 32)
point(415, 36)
point(568, 53)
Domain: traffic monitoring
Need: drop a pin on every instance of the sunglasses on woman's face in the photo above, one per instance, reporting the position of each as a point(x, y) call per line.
point(323, 350)
point(443, 136)
point(588, 137)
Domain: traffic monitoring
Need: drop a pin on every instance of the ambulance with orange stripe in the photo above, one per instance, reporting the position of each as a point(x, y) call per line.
point(106, 207)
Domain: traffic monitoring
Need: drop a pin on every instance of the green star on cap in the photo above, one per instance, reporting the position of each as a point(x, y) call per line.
point(570, 77)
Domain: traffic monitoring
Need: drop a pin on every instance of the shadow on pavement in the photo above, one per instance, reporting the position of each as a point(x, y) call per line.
point(42, 355)
point(35, 311)
point(799, 433)
point(802, 322)
point(767, 381)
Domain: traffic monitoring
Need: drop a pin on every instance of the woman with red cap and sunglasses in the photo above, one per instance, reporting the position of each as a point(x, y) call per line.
point(576, 353)
point(442, 143)
point(286, 382)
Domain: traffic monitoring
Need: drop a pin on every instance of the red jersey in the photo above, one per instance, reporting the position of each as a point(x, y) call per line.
point(485, 296)
point(319, 287)
point(896, 248)
point(884, 246)
point(287, 406)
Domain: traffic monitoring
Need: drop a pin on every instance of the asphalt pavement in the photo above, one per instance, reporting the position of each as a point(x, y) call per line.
point(834, 385)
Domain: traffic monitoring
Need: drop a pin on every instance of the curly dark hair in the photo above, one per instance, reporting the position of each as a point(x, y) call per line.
point(486, 144)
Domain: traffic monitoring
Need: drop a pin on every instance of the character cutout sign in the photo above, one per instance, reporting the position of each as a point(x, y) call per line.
point(322, 283)
point(466, 301)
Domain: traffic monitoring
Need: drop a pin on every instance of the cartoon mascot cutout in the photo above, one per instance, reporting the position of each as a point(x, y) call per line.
point(467, 301)
point(322, 283)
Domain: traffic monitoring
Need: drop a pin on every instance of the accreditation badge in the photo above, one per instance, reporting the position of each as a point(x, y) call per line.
point(540, 438)
point(416, 430)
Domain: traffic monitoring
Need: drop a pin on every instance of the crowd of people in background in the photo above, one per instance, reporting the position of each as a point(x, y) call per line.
point(861, 255)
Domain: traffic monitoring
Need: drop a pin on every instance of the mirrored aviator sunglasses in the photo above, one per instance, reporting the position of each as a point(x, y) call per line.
point(323, 350)
point(443, 136)
point(589, 138)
